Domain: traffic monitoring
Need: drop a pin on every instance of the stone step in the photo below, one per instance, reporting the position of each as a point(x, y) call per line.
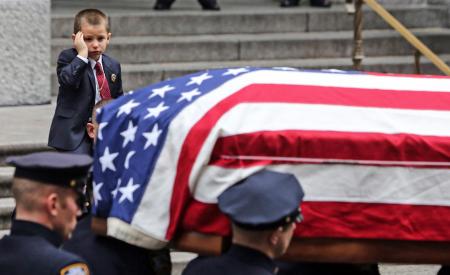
point(256, 18)
point(3, 233)
point(229, 47)
point(140, 75)
point(6, 174)
point(16, 149)
point(127, 4)
point(6, 208)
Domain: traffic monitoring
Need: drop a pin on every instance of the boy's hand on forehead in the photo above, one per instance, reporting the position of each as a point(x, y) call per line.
point(80, 45)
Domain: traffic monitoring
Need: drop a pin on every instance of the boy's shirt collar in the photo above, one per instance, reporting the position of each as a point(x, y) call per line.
point(92, 62)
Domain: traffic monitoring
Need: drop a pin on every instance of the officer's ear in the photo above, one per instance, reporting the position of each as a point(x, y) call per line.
point(274, 237)
point(51, 204)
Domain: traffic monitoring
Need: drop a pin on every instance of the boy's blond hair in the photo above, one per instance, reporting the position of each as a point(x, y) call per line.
point(92, 17)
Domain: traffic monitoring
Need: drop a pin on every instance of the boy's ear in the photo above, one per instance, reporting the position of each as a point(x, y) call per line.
point(90, 129)
point(109, 35)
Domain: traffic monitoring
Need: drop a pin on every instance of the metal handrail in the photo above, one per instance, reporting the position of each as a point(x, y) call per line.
point(421, 48)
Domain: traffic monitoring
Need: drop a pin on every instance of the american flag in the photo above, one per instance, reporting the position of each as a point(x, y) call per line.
point(371, 151)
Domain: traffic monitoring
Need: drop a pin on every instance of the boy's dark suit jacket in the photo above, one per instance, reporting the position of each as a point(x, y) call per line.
point(76, 98)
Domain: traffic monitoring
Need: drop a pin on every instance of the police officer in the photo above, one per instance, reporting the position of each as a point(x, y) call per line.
point(313, 3)
point(47, 188)
point(206, 4)
point(263, 209)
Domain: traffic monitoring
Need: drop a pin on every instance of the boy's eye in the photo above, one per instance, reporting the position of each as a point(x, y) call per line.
point(88, 39)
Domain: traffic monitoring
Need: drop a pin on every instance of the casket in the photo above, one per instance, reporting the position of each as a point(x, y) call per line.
point(372, 153)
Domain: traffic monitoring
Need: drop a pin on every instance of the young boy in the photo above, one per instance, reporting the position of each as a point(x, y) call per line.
point(85, 75)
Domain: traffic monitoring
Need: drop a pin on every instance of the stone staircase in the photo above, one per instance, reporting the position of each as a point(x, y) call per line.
point(153, 46)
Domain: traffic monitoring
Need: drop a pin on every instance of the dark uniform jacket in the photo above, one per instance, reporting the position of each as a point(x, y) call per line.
point(33, 249)
point(108, 256)
point(445, 270)
point(238, 260)
point(76, 97)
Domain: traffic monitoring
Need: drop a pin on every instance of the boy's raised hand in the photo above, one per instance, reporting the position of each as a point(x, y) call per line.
point(80, 45)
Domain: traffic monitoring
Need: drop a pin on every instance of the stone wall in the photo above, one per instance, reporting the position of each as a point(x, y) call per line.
point(24, 52)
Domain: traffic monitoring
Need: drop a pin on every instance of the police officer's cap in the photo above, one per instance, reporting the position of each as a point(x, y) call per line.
point(264, 200)
point(62, 169)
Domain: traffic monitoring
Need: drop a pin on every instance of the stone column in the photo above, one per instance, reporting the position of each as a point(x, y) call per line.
point(24, 52)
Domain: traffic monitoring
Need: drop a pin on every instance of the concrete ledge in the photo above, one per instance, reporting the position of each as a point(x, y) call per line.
point(21, 149)
point(6, 208)
point(6, 175)
point(3, 233)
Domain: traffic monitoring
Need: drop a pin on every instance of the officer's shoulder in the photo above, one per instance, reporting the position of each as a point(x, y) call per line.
point(206, 265)
point(70, 264)
point(66, 263)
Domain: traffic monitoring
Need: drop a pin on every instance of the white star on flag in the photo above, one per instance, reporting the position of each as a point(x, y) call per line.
point(236, 71)
point(161, 92)
point(127, 107)
point(107, 160)
point(189, 95)
point(199, 79)
point(97, 195)
point(100, 128)
point(127, 159)
point(152, 137)
point(116, 190)
point(156, 111)
point(127, 191)
point(129, 134)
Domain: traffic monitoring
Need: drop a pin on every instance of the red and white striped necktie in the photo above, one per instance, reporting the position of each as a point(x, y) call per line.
point(103, 86)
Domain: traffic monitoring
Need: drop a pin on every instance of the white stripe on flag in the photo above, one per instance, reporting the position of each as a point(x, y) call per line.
point(255, 117)
point(343, 183)
point(364, 81)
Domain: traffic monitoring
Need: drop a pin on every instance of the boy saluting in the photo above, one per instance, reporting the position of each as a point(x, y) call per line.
point(85, 75)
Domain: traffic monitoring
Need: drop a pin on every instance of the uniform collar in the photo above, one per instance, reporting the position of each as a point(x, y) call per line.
point(26, 228)
point(252, 257)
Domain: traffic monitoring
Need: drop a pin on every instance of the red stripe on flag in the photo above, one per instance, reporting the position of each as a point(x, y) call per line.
point(288, 94)
point(342, 220)
point(323, 145)
point(418, 100)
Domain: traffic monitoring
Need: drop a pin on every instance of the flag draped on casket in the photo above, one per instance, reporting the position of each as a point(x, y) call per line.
point(372, 152)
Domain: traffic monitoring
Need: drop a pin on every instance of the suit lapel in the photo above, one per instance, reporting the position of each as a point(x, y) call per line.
point(108, 71)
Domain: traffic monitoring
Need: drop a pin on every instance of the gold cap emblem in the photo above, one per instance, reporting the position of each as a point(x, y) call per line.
point(73, 183)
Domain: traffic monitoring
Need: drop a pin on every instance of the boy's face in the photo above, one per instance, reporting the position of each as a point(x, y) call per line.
point(96, 38)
